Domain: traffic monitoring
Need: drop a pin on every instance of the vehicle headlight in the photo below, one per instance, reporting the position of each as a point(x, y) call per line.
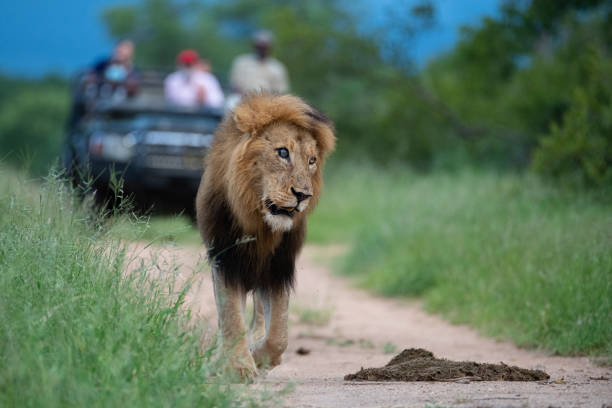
point(129, 140)
point(112, 146)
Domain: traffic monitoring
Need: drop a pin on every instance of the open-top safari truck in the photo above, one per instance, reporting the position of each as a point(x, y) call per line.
point(156, 150)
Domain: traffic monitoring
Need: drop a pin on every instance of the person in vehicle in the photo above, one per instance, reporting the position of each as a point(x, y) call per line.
point(259, 70)
point(204, 65)
point(111, 77)
point(118, 69)
point(191, 86)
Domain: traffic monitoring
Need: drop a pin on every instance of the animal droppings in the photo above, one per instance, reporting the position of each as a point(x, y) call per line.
point(421, 365)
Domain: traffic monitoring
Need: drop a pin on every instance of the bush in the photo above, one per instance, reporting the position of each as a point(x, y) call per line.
point(32, 121)
point(579, 150)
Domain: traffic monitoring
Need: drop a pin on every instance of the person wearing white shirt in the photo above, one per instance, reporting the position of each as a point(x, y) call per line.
point(191, 86)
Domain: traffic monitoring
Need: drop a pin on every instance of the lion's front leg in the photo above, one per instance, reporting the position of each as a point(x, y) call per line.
point(234, 343)
point(268, 352)
point(258, 324)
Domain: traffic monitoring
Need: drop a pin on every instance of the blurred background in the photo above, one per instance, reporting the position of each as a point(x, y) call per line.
point(438, 84)
point(474, 137)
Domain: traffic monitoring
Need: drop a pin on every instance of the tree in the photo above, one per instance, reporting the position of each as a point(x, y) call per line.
point(579, 149)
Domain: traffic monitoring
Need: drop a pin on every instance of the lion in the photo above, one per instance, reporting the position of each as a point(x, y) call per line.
point(263, 177)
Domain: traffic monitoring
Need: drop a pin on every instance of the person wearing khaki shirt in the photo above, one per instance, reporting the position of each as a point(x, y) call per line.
point(259, 71)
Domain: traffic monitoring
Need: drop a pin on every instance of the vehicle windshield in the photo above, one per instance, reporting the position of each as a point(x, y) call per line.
point(158, 121)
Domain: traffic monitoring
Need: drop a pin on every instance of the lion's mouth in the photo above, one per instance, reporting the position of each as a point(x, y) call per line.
point(276, 210)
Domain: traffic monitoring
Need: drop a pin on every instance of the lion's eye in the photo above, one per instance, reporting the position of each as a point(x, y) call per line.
point(283, 152)
point(312, 160)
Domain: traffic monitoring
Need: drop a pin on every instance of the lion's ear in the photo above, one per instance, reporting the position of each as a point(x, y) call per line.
point(242, 119)
point(323, 131)
point(248, 120)
point(326, 139)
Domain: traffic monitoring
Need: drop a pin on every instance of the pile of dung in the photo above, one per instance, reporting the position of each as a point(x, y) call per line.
point(421, 365)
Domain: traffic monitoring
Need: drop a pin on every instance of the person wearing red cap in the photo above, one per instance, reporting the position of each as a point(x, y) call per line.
point(190, 86)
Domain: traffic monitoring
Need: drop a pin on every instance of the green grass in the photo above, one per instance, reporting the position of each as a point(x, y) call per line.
point(508, 254)
point(178, 229)
point(77, 330)
point(312, 315)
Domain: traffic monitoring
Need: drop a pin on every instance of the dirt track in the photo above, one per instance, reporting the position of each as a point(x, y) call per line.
point(363, 327)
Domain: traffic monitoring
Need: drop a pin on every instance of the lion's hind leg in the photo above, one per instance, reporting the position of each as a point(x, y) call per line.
point(234, 342)
point(268, 351)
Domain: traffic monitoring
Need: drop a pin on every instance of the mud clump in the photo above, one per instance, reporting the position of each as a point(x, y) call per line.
point(421, 365)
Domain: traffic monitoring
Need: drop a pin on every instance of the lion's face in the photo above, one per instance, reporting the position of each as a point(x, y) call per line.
point(266, 164)
point(287, 165)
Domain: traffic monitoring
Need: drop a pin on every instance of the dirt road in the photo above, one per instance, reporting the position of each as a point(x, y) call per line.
point(354, 329)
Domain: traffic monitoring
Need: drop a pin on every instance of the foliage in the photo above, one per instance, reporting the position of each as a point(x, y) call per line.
point(77, 328)
point(510, 79)
point(32, 116)
point(162, 28)
point(579, 150)
point(508, 254)
point(509, 87)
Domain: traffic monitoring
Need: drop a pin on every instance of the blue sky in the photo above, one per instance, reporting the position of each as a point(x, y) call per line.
point(42, 36)
point(450, 16)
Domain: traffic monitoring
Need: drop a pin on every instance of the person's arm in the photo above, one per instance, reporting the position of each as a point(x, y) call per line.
point(100, 66)
point(235, 74)
point(202, 95)
point(170, 89)
point(281, 79)
point(214, 94)
point(132, 83)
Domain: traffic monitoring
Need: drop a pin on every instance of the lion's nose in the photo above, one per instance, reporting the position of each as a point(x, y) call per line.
point(300, 195)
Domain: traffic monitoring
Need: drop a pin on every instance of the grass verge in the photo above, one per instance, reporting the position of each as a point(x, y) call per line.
point(178, 229)
point(507, 254)
point(77, 330)
point(312, 315)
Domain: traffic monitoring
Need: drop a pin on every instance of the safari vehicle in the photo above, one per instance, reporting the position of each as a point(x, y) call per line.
point(157, 150)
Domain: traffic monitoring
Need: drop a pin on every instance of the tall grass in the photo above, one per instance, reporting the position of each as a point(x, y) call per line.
point(505, 253)
point(77, 330)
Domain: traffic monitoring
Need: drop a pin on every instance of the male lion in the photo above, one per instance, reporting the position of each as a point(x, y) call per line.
point(263, 176)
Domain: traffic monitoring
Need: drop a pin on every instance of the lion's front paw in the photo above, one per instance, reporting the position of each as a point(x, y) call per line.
point(264, 358)
point(243, 367)
point(245, 373)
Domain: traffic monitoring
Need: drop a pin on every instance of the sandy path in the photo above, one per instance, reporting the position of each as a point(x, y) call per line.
point(358, 330)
